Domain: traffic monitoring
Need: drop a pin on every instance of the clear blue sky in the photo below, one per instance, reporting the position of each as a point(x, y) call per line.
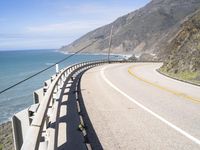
point(35, 24)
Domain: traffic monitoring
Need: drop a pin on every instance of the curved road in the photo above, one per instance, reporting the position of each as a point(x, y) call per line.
point(131, 106)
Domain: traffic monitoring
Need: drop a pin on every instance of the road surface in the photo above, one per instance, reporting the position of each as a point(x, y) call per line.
point(132, 106)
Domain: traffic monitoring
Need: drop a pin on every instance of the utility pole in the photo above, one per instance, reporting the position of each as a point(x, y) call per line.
point(110, 42)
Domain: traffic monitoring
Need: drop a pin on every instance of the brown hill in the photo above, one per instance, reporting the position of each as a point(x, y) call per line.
point(146, 30)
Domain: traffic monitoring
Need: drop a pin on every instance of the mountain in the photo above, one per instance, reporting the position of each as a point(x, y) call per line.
point(144, 31)
point(184, 51)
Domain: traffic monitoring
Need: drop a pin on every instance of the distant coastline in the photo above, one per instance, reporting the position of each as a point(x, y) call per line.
point(105, 54)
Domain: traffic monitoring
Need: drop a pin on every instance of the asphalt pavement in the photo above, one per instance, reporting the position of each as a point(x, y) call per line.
point(132, 106)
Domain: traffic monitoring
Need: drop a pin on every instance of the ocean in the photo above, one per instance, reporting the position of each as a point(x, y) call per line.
point(17, 65)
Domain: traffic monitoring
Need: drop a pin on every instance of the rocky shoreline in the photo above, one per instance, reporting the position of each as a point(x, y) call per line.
point(6, 137)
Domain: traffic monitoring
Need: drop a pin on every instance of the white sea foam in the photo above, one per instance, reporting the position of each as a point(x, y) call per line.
point(49, 64)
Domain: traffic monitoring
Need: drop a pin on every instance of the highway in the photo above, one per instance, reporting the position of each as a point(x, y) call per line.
point(132, 106)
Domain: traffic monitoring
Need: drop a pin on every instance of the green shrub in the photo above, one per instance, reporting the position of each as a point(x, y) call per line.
point(1, 146)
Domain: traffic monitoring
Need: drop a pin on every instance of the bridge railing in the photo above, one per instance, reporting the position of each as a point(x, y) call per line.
point(44, 112)
point(40, 120)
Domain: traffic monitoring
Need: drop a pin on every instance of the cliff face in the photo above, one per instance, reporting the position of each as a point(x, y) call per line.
point(143, 31)
point(184, 50)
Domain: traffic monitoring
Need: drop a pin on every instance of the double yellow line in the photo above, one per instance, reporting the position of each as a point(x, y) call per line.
point(163, 88)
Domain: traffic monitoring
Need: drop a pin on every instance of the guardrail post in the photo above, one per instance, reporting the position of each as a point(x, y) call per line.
point(57, 69)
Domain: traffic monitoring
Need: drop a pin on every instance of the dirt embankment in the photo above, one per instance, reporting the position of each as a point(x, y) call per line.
point(6, 137)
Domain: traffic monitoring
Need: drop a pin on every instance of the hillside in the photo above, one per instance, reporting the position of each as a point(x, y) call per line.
point(184, 59)
point(6, 137)
point(143, 31)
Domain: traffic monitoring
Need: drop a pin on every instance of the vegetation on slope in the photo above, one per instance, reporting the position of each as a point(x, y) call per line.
point(184, 59)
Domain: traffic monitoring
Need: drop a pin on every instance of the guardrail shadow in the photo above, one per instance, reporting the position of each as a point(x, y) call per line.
point(92, 137)
point(75, 139)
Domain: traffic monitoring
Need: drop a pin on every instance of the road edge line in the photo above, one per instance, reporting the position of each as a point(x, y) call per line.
point(164, 88)
point(197, 141)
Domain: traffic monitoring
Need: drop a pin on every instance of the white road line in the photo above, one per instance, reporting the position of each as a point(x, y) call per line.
point(197, 141)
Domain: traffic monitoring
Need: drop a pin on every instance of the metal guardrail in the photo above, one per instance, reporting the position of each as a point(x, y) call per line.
point(41, 117)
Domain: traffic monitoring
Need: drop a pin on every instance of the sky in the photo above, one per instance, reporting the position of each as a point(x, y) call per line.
point(50, 24)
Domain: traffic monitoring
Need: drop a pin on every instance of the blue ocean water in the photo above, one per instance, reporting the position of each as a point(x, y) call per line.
point(17, 65)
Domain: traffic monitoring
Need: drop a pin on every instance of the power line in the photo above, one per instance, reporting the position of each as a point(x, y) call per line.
point(14, 85)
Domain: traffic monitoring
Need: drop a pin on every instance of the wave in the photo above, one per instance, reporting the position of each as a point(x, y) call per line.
point(8, 99)
point(49, 64)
